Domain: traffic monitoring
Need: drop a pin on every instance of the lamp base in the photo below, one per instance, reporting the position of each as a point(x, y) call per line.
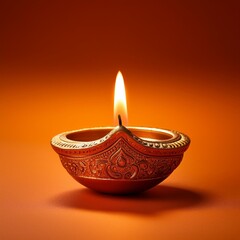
point(119, 187)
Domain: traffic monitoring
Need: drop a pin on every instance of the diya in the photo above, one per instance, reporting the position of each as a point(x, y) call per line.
point(120, 160)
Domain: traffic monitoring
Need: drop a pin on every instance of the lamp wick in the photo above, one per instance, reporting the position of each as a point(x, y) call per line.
point(119, 120)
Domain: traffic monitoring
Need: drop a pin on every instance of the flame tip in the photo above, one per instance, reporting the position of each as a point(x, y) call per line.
point(119, 73)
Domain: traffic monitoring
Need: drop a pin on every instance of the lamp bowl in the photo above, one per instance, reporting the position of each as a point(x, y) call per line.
point(120, 160)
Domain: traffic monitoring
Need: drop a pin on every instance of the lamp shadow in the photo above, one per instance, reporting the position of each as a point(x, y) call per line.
point(159, 199)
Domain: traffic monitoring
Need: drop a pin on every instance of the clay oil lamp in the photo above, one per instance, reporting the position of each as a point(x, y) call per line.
point(120, 160)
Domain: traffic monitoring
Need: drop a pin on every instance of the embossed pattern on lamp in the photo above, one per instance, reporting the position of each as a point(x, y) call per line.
point(120, 160)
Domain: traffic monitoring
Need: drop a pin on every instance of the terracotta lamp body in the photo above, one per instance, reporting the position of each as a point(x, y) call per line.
point(120, 160)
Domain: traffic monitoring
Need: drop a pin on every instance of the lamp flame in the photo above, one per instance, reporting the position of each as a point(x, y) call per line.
point(120, 102)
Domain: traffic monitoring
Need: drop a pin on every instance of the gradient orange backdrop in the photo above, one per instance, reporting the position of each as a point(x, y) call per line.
point(58, 63)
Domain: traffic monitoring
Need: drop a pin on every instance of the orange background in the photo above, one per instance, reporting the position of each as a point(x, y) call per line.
point(58, 63)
